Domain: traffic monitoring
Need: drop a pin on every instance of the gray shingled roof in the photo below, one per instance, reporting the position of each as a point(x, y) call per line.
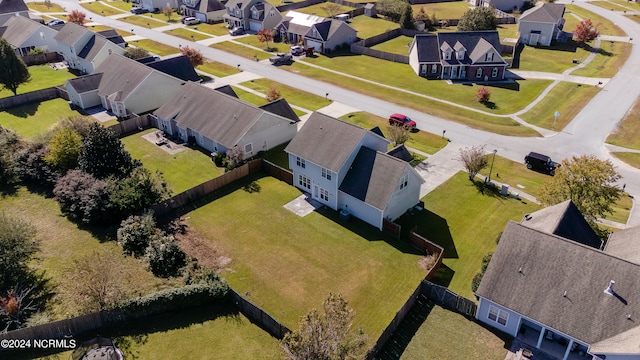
point(211, 113)
point(71, 33)
point(86, 83)
point(19, 29)
point(122, 75)
point(564, 220)
point(280, 107)
point(373, 177)
point(547, 13)
point(551, 265)
point(427, 48)
point(12, 6)
point(625, 244)
point(93, 47)
point(472, 41)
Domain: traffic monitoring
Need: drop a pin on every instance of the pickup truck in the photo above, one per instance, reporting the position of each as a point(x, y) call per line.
point(281, 58)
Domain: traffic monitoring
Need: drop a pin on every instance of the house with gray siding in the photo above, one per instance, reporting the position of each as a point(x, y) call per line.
point(24, 35)
point(348, 168)
point(207, 11)
point(84, 49)
point(251, 15)
point(9, 8)
point(542, 24)
point(329, 34)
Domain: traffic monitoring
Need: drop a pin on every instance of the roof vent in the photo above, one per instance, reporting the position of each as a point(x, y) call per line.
point(609, 289)
point(629, 317)
point(565, 293)
point(520, 270)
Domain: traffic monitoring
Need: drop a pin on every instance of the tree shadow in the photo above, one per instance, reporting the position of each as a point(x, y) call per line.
point(490, 105)
point(24, 111)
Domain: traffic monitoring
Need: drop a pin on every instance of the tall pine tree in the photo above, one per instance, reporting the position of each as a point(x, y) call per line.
point(14, 71)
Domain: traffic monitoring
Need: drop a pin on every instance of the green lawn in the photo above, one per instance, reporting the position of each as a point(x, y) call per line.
point(628, 4)
point(515, 174)
point(368, 27)
point(443, 10)
point(468, 231)
point(635, 18)
point(241, 50)
point(319, 10)
point(155, 47)
point(213, 29)
point(288, 264)
point(508, 31)
point(175, 18)
point(218, 69)
point(630, 158)
point(399, 45)
point(216, 332)
point(100, 8)
point(35, 119)
point(278, 156)
point(98, 28)
point(249, 97)
point(566, 98)
point(621, 209)
point(421, 140)
point(610, 58)
point(62, 242)
point(609, 6)
point(41, 7)
point(42, 77)
point(252, 40)
point(182, 170)
point(627, 133)
point(187, 34)
point(446, 335)
point(122, 5)
point(294, 96)
point(556, 58)
point(143, 21)
point(606, 27)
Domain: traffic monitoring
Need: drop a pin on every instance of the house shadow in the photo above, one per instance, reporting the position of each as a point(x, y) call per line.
point(339, 53)
point(24, 111)
point(431, 226)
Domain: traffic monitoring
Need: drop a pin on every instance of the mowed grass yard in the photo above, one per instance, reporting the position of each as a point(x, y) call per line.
point(99, 7)
point(443, 10)
point(42, 77)
point(182, 170)
point(34, 119)
point(288, 264)
point(606, 27)
point(610, 57)
point(143, 21)
point(292, 95)
point(627, 133)
point(218, 69)
point(320, 10)
point(155, 47)
point(187, 34)
point(399, 45)
point(368, 27)
point(41, 6)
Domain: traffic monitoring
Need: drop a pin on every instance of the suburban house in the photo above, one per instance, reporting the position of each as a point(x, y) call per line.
point(328, 35)
point(84, 49)
point(562, 297)
point(348, 168)
point(504, 5)
point(541, 24)
point(252, 15)
point(24, 35)
point(207, 11)
point(218, 122)
point(470, 56)
point(123, 86)
point(151, 5)
point(9, 8)
point(295, 25)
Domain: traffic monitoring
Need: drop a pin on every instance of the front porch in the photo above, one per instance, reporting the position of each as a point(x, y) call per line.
point(547, 345)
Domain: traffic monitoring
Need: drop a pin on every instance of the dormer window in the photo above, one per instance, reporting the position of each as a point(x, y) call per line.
point(460, 51)
point(255, 14)
point(460, 55)
point(314, 32)
point(447, 54)
point(489, 56)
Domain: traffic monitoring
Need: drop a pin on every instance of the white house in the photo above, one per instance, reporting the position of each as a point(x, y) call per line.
point(541, 24)
point(207, 11)
point(151, 5)
point(329, 34)
point(25, 35)
point(562, 297)
point(9, 8)
point(347, 167)
point(218, 121)
point(252, 15)
point(83, 49)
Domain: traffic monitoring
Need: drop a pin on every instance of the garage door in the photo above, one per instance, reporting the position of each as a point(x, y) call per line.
point(315, 44)
point(255, 26)
point(202, 17)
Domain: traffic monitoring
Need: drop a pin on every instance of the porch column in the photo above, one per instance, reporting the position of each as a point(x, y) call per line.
point(541, 337)
point(566, 353)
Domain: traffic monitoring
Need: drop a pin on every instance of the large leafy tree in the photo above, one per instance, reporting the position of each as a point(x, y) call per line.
point(9, 144)
point(13, 70)
point(265, 35)
point(392, 8)
point(103, 154)
point(326, 336)
point(77, 17)
point(136, 232)
point(406, 20)
point(477, 19)
point(64, 149)
point(32, 166)
point(194, 55)
point(587, 181)
point(136, 192)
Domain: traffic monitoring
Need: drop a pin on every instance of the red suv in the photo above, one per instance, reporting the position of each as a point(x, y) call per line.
point(402, 120)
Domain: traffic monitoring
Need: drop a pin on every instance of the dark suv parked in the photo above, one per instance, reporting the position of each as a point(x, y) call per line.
point(541, 163)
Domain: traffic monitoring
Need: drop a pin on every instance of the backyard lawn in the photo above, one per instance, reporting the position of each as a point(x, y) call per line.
point(443, 10)
point(399, 45)
point(42, 77)
point(187, 34)
point(288, 264)
point(182, 170)
point(292, 95)
point(627, 133)
point(468, 231)
point(566, 98)
point(41, 6)
point(319, 10)
point(556, 58)
point(155, 47)
point(368, 27)
point(218, 69)
point(421, 140)
point(34, 119)
point(605, 26)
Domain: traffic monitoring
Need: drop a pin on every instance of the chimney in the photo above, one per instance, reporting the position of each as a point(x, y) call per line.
point(609, 289)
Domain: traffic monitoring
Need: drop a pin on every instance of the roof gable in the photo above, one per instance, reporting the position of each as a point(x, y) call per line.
point(19, 28)
point(12, 6)
point(280, 107)
point(123, 74)
point(85, 83)
point(321, 30)
point(625, 244)
point(178, 66)
point(71, 33)
point(546, 13)
point(427, 48)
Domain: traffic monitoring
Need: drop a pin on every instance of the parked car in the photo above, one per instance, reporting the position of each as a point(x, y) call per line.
point(190, 20)
point(402, 120)
point(297, 50)
point(139, 10)
point(281, 58)
point(55, 22)
point(236, 31)
point(541, 163)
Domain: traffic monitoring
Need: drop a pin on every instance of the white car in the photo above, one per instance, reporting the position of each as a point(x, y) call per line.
point(190, 21)
point(55, 22)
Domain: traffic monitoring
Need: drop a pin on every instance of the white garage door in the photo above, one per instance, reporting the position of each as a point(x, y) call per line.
point(315, 44)
point(255, 26)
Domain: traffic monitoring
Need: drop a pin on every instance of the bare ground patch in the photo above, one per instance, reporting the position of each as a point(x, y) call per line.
point(197, 245)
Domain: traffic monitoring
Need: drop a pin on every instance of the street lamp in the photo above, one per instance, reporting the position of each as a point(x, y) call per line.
point(492, 161)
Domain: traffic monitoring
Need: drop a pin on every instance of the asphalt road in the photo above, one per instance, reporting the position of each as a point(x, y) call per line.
point(584, 135)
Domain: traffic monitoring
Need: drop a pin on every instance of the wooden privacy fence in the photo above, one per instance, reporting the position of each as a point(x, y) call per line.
point(42, 58)
point(277, 172)
point(33, 96)
point(259, 316)
point(134, 125)
point(430, 248)
point(448, 299)
point(391, 227)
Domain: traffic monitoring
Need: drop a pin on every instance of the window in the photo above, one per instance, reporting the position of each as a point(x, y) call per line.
point(326, 173)
point(479, 73)
point(447, 55)
point(424, 69)
point(324, 194)
point(494, 72)
point(460, 55)
point(300, 162)
point(404, 181)
point(272, 12)
point(489, 56)
point(304, 181)
point(255, 14)
point(497, 315)
point(434, 68)
point(248, 148)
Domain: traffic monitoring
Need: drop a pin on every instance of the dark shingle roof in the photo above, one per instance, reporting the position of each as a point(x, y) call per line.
point(322, 30)
point(373, 177)
point(227, 89)
point(427, 48)
point(12, 6)
point(564, 220)
point(550, 265)
point(179, 67)
point(547, 13)
point(376, 130)
point(86, 83)
point(112, 36)
point(625, 244)
point(401, 152)
point(281, 107)
point(211, 5)
point(476, 44)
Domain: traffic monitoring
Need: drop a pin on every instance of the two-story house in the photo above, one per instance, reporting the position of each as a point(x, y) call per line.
point(295, 25)
point(541, 24)
point(9, 8)
point(207, 11)
point(24, 35)
point(151, 5)
point(470, 56)
point(84, 49)
point(346, 167)
point(329, 34)
point(252, 15)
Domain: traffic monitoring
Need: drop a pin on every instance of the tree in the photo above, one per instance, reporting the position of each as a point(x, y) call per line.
point(82, 197)
point(33, 168)
point(272, 95)
point(48, 4)
point(135, 233)
point(393, 9)
point(235, 155)
point(422, 16)
point(406, 20)
point(585, 32)
point(478, 18)
point(587, 181)
point(164, 256)
point(14, 71)
point(136, 53)
point(473, 159)
point(483, 95)
point(332, 9)
point(194, 55)
point(103, 155)
point(264, 36)
point(16, 307)
point(64, 149)
point(77, 17)
point(9, 144)
point(136, 192)
point(326, 336)
point(168, 12)
point(398, 134)
point(79, 124)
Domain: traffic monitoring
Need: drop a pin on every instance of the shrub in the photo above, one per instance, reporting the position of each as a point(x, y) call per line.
point(135, 233)
point(137, 192)
point(33, 168)
point(483, 95)
point(475, 283)
point(103, 154)
point(82, 197)
point(164, 256)
point(235, 156)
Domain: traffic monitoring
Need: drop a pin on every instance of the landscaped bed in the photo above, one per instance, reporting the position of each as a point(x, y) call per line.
point(34, 119)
